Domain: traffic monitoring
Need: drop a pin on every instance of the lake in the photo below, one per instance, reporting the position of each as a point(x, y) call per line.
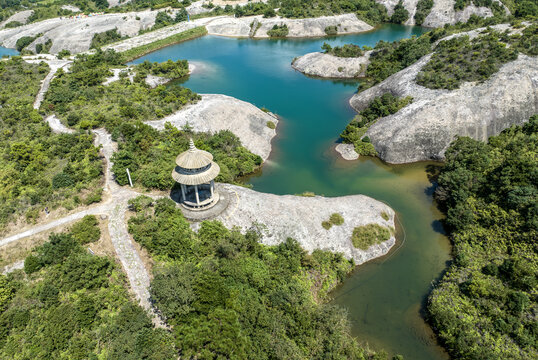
point(385, 297)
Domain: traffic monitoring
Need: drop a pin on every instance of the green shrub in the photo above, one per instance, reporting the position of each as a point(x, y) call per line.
point(326, 224)
point(105, 38)
point(423, 10)
point(331, 30)
point(385, 216)
point(336, 219)
point(367, 235)
point(460, 60)
point(278, 31)
point(271, 125)
point(400, 14)
point(24, 41)
point(86, 230)
point(62, 180)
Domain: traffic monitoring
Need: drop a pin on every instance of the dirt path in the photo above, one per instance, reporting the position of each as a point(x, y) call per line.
point(114, 208)
point(54, 65)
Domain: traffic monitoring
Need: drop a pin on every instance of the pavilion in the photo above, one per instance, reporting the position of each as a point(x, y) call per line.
point(195, 172)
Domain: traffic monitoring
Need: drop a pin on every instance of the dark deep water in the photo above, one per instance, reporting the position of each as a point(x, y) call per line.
point(384, 297)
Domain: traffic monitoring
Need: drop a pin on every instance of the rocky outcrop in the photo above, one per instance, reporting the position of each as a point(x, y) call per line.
point(347, 151)
point(313, 27)
point(76, 35)
point(298, 217)
point(442, 12)
point(330, 66)
point(424, 129)
point(220, 112)
point(20, 17)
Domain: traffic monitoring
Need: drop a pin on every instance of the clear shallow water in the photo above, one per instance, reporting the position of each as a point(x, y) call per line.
point(384, 297)
point(7, 52)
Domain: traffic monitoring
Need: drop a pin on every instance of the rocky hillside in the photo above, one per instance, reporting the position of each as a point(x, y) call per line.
point(424, 129)
point(76, 35)
point(257, 26)
point(441, 13)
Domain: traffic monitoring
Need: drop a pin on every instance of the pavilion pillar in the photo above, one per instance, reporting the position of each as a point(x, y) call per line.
point(212, 187)
point(183, 192)
point(197, 196)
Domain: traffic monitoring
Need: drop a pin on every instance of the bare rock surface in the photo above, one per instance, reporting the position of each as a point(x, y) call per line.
point(57, 126)
point(220, 112)
point(300, 218)
point(21, 17)
point(442, 12)
point(330, 66)
point(311, 27)
point(424, 129)
point(76, 35)
point(71, 8)
point(347, 151)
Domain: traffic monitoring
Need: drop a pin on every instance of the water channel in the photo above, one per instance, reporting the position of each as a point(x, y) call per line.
point(384, 297)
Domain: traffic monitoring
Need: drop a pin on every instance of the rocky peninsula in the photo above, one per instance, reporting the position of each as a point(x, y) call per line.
point(300, 218)
point(214, 113)
point(424, 129)
point(330, 66)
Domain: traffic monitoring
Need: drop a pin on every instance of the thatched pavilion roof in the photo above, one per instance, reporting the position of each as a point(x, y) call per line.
point(195, 167)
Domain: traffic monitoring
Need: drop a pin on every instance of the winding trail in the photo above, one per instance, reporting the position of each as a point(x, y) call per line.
point(54, 64)
point(114, 207)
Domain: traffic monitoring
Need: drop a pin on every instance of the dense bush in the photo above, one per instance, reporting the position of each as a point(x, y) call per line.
point(381, 106)
point(460, 60)
point(400, 14)
point(39, 168)
point(485, 305)
point(150, 154)
point(227, 296)
point(86, 230)
point(104, 38)
point(74, 305)
point(347, 50)
point(367, 235)
point(423, 10)
point(278, 31)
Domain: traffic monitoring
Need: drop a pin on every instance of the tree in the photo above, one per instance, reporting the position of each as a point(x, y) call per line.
point(400, 14)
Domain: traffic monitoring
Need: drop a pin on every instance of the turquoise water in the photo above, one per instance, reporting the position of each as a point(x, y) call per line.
point(7, 52)
point(384, 297)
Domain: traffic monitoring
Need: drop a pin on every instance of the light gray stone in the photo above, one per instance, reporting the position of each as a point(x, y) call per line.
point(220, 112)
point(424, 129)
point(347, 151)
point(300, 218)
point(330, 66)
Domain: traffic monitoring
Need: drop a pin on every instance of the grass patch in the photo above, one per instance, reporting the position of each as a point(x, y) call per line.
point(334, 219)
point(365, 236)
point(385, 216)
point(271, 125)
point(142, 50)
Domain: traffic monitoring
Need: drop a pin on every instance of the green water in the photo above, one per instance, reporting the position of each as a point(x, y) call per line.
point(384, 297)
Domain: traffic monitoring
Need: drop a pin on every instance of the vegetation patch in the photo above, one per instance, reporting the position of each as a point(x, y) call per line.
point(271, 125)
point(385, 216)
point(150, 154)
point(43, 48)
point(39, 168)
point(460, 60)
point(381, 106)
point(331, 30)
point(86, 230)
point(105, 38)
point(346, 51)
point(367, 235)
point(423, 10)
point(78, 97)
point(278, 31)
point(228, 281)
point(400, 14)
point(142, 50)
point(334, 219)
point(488, 294)
point(72, 304)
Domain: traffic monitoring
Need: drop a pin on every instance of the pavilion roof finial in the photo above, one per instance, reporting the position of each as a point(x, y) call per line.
point(192, 147)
